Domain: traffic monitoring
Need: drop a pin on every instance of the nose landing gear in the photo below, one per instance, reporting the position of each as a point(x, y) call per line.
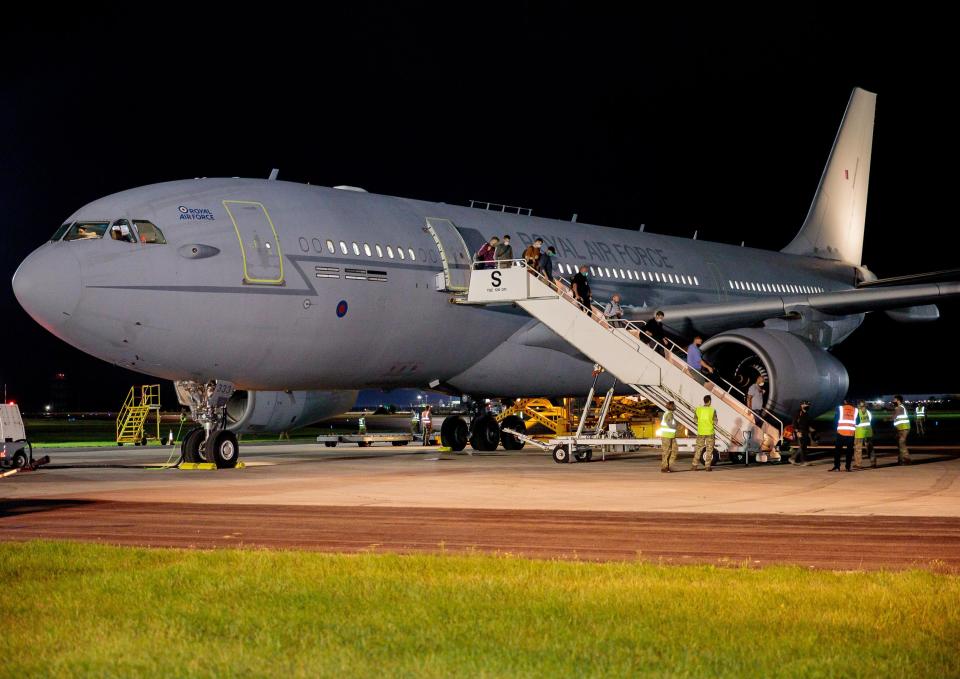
point(210, 442)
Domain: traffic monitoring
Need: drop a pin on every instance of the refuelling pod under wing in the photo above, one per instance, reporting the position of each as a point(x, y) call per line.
point(795, 368)
point(279, 411)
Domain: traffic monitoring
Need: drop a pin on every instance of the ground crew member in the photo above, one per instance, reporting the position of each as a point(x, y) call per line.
point(414, 422)
point(901, 422)
point(846, 427)
point(920, 415)
point(863, 436)
point(706, 419)
point(426, 425)
point(668, 438)
point(801, 428)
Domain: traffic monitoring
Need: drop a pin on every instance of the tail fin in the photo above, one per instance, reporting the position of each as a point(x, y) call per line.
point(833, 228)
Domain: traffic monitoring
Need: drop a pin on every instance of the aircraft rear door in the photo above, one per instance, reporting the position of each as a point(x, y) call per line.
point(453, 253)
point(259, 243)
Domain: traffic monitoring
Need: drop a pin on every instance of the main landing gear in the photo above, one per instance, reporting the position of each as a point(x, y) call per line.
point(483, 433)
point(210, 442)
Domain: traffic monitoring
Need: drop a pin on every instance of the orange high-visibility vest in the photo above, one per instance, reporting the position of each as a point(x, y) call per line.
point(847, 423)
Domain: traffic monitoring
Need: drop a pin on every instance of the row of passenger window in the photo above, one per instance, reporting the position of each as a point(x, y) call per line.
point(787, 288)
point(368, 251)
point(633, 275)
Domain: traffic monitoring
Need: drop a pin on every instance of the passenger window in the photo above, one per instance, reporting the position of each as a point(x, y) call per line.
point(389, 252)
point(379, 250)
point(332, 250)
point(343, 247)
point(413, 257)
point(149, 233)
point(400, 252)
point(86, 231)
point(120, 230)
point(366, 250)
point(356, 249)
point(58, 234)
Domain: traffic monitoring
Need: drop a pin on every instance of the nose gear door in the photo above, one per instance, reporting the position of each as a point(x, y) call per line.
point(259, 242)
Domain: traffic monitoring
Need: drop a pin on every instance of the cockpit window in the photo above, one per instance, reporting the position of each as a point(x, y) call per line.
point(86, 231)
point(149, 233)
point(58, 234)
point(120, 230)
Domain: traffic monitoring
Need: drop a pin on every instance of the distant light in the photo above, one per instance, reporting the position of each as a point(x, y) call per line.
point(11, 403)
point(47, 408)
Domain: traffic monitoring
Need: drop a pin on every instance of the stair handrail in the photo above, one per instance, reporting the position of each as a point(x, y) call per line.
point(638, 327)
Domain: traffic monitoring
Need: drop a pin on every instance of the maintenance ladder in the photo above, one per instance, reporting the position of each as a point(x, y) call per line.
point(132, 418)
point(623, 350)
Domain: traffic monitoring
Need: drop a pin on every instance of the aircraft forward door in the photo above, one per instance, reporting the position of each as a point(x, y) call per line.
point(453, 254)
point(259, 243)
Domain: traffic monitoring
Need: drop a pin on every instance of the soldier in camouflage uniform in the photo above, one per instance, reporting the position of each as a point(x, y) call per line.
point(668, 438)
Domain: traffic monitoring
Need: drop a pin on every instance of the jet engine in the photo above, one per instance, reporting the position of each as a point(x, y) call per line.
point(795, 369)
point(278, 411)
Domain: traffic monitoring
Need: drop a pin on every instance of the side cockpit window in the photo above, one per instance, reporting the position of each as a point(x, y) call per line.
point(149, 233)
point(58, 234)
point(86, 231)
point(120, 230)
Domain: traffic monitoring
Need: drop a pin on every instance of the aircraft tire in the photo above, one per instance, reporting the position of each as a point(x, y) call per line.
point(509, 441)
point(454, 433)
point(190, 446)
point(485, 434)
point(225, 451)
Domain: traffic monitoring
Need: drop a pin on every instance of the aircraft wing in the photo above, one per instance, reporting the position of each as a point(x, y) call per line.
point(913, 302)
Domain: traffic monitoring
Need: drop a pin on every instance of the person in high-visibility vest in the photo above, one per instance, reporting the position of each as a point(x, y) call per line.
point(901, 422)
point(668, 438)
point(863, 437)
point(920, 416)
point(426, 425)
point(706, 421)
point(846, 428)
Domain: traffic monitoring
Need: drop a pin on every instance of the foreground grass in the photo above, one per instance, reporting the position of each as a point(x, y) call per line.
point(74, 609)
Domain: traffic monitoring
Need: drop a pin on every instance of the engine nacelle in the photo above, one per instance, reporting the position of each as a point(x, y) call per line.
point(278, 411)
point(795, 369)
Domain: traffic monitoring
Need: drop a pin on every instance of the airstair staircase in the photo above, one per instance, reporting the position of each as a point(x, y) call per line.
point(133, 415)
point(626, 352)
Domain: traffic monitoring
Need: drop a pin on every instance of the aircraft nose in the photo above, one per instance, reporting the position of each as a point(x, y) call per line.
point(47, 284)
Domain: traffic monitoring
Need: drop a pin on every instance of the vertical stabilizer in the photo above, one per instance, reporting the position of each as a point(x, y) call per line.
point(833, 228)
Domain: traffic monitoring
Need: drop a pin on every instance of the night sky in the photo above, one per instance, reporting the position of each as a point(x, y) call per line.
point(708, 120)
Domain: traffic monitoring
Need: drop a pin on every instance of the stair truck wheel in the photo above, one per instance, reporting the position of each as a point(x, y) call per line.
point(399, 443)
point(190, 446)
point(454, 433)
point(509, 441)
point(223, 450)
point(486, 433)
point(20, 459)
point(560, 454)
point(330, 444)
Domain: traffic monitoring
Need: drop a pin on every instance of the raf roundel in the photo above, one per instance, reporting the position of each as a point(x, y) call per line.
point(183, 209)
point(342, 308)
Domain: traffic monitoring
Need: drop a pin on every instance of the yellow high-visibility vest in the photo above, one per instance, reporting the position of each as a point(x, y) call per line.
point(705, 420)
point(667, 428)
point(901, 419)
point(864, 424)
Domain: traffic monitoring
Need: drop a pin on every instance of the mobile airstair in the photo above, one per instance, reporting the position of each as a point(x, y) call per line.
point(622, 348)
point(132, 424)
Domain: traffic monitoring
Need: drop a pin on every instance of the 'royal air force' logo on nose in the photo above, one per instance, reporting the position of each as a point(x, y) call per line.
point(195, 213)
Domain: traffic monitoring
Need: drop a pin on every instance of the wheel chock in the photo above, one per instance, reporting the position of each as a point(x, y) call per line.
point(444, 449)
point(206, 465)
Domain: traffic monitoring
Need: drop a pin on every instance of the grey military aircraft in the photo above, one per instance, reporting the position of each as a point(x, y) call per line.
point(271, 303)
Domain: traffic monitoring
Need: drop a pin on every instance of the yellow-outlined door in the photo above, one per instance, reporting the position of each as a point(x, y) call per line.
point(259, 242)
